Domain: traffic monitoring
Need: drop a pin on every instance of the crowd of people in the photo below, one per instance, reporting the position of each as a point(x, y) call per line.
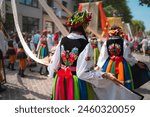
point(80, 62)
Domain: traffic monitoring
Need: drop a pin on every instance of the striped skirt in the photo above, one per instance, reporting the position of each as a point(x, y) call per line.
point(124, 71)
point(42, 52)
point(71, 88)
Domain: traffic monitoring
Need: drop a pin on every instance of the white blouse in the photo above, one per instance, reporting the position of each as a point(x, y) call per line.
point(55, 62)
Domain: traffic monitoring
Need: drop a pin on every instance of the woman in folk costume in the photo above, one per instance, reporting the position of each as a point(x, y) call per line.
point(11, 53)
point(63, 65)
point(116, 57)
point(67, 86)
point(103, 83)
point(21, 55)
point(43, 49)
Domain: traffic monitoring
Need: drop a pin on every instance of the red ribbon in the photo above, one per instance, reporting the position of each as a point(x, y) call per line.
point(43, 45)
point(93, 46)
point(117, 60)
point(64, 74)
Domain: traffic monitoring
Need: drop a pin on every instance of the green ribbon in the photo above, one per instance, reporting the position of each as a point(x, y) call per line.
point(54, 87)
point(130, 72)
point(76, 88)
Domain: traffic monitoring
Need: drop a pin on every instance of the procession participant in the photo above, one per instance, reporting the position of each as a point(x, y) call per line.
point(116, 57)
point(103, 83)
point(63, 65)
point(21, 55)
point(11, 53)
point(43, 49)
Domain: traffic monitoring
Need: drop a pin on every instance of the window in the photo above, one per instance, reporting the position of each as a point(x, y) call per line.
point(30, 24)
point(49, 26)
point(32, 3)
point(50, 3)
point(64, 3)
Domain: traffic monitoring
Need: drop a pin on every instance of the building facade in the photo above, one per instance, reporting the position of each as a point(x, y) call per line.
point(32, 16)
point(60, 13)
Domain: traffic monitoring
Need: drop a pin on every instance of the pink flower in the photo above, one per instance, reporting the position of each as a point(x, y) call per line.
point(63, 54)
point(72, 55)
point(71, 60)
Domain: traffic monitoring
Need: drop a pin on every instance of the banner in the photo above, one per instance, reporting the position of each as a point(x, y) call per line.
point(103, 19)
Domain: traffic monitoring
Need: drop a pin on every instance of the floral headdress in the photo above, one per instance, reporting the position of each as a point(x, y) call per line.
point(79, 19)
point(115, 31)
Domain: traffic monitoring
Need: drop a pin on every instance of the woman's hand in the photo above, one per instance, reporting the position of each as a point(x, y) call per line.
point(141, 65)
point(113, 78)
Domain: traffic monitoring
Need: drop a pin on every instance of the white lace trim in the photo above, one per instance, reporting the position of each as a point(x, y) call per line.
point(75, 36)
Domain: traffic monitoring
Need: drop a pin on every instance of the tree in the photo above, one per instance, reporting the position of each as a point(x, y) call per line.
point(109, 10)
point(144, 2)
point(121, 8)
point(137, 26)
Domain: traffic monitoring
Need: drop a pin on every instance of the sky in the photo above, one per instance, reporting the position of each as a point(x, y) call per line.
point(140, 12)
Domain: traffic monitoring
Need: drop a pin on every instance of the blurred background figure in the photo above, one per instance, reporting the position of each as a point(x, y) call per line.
point(11, 52)
point(144, 44)
point(36, 39)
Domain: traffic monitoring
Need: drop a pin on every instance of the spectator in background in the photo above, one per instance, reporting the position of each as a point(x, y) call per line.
point(149, 44)
point(36, 39)
point(144, 43)
point(16, 37)
point(50, 37)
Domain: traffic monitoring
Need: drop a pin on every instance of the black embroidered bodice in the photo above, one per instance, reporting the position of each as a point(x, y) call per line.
point(115, 46)
point(70, 50)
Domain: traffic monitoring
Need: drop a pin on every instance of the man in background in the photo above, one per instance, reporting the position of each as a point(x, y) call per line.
point(36, 39)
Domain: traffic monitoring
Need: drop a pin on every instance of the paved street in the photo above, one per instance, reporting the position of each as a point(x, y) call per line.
point(37, 87)
point(33, 86)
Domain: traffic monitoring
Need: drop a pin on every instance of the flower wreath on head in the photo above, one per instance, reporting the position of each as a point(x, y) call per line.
point(79, 18)
point(115, 31)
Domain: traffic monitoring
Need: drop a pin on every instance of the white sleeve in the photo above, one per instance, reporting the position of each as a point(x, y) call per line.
point(99, 46)
point(55, 62)
point(103, 55)
point(128, 55)
point(85, 68)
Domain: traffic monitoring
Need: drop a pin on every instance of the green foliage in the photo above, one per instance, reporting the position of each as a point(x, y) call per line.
point(120, 9)
point(109, 10)
point(137, 26)
point(144, 2)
